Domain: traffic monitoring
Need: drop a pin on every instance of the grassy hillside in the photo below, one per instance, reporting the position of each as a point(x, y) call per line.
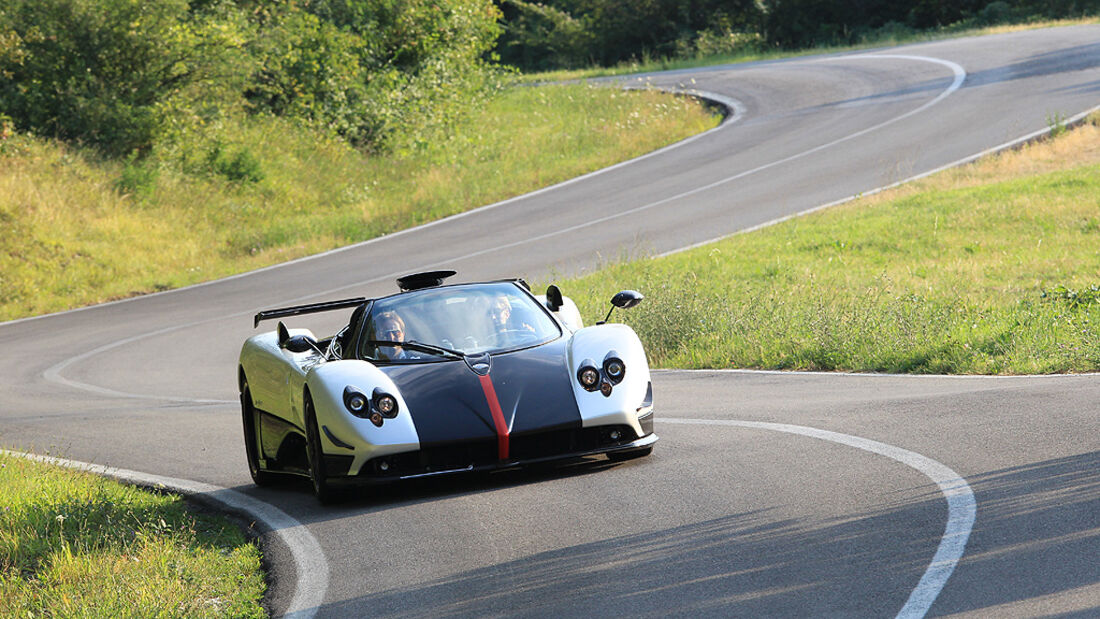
point(81, 229)
point(989, 268)
point(75, 545)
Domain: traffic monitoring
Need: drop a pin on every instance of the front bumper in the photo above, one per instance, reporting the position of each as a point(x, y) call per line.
point(481, 456)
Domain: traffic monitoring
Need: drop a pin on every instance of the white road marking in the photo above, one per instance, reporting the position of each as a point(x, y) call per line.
point(961, 506)
point(310, 564)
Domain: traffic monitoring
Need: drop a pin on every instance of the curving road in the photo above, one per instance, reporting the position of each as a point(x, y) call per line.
point(769, 494)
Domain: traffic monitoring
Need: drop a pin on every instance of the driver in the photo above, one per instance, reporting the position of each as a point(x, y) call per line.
point(389, 327)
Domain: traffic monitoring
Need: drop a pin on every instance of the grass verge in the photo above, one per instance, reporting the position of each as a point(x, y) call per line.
point(991, 268)
point(81, 230)
point(73, 544)
point(884, 38)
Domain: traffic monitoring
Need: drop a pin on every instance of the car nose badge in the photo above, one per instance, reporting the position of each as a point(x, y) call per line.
point(480, 364)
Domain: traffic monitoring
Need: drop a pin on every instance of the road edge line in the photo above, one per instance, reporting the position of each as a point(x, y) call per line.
point(961, 505)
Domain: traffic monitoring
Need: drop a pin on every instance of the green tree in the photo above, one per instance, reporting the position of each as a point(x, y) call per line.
point(378, 71)
point(106, 72)
point(308, 68)
point(540, 37)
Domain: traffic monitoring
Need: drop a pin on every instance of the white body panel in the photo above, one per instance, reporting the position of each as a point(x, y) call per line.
point(622, 406)
point(327, 383)
point(568, 314)
point(273, 374)
point(277, 379)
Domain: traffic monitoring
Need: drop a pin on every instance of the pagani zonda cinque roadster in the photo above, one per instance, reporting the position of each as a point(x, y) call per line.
point(440, 379)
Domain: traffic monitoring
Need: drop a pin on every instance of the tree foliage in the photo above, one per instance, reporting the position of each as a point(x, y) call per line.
point(106, 72)
point(120, 74)
point(568, 33)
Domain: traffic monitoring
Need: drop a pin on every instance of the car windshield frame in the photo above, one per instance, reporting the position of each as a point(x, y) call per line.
point(456, 321)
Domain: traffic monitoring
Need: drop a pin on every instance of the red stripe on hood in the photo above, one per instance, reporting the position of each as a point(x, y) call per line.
point(498, 416)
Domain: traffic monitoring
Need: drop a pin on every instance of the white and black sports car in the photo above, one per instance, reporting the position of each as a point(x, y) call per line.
point(440, 379)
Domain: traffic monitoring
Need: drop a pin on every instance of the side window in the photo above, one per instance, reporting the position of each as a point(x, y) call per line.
point(345, 340)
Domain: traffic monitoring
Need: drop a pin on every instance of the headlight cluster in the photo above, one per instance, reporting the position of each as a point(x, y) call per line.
point(604, 377)
point(377, 408)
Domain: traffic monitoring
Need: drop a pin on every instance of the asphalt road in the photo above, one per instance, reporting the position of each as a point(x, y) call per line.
point(768, 494)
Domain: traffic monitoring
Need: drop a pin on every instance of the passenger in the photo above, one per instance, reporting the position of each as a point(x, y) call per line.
point(506, 328)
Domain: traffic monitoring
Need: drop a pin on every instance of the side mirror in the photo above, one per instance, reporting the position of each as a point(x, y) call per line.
point(297, 343)
point(554, 299)
point(625, 299)
point(301, 343)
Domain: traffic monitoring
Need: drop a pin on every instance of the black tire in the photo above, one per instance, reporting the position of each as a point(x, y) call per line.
point(252, 440)
point(321, 488)
point(622, 456)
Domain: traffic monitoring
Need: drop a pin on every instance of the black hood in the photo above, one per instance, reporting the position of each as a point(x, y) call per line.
point(448, 401)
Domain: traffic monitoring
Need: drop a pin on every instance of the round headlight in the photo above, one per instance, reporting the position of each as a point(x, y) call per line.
point(589, 377)
point(355, 401)
point(384, 403)
point(615, 369)
point(387, 406)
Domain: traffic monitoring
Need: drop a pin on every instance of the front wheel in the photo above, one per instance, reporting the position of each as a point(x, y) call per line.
point(252, 439)
point(321, 487)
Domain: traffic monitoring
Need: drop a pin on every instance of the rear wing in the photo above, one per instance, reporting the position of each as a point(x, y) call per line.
point(312, 308)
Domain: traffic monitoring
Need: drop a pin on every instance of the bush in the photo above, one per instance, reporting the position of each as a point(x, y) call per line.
point(309, 68)
point(726, 43)
point(424, 63)
point(104, 72)
point(541, 37)
point(137, 177)
point(242, 165)
point(996, 12)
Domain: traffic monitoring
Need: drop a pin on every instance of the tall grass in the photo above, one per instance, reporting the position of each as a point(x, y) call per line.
point(76, 545)
point(989, 268)
point(79, 229)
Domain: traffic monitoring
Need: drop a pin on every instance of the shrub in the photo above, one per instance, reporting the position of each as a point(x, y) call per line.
point(105, 71)
point(309, 68)
point(137, 177)
point(994, 13)
point(541, 37)
point(242, 165)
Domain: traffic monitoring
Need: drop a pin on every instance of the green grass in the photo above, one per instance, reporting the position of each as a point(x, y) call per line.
point(752, 53)
point(81, 230)
point(993, 268)
point(73, 544)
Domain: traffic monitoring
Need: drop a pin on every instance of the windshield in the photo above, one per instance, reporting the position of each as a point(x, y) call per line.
point(442, 323)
